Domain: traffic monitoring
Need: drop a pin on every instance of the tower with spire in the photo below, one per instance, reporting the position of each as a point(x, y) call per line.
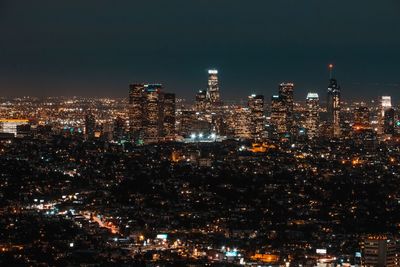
point(333, 103)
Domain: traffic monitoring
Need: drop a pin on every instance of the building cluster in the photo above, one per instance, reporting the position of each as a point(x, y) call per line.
point(152, 115)
point(282, 120)
point(155, 181)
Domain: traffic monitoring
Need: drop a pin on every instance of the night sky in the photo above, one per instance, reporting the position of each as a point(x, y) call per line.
point(97, 47)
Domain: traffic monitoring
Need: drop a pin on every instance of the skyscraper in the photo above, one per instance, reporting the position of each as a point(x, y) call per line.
point(256, 106)
point(312, 115)
point(282, 110)
point(286, 91)
point(151, 113)
point(385, 103)
point(136, 112)
point(213, 88)
point(240, 123)
point(333, 104)
point(278, 115)
point(169, 115)
point(361, 117)
point(201, 101)
point(389, 121)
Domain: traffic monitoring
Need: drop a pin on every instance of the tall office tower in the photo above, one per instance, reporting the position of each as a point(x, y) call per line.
point(385, 103)
point(90, 125)
point(153, 113)
point(333, 104)
point(312, 115)
point(256, 106)
point(278, 115)
point(361, 117)
point(389, 121)
point(169, 115)
point(136, 112)
point(379, 251)
point(213, 87)
point(201, 101)
point(286, 96)
point(239, 121)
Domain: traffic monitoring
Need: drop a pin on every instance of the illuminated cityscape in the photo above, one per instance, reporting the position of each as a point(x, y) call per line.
point(199, 133)
point(148, 180)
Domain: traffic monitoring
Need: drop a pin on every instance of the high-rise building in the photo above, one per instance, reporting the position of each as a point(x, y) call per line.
point(362, 117)
point(213, 87)
point(379, 251)
point(136, 112)
point(282, 106)
point(286, 91)
point(312, 115)
point(389, 121)
point(151, 113)
point(256, 106)
point(278, 115)
point(240, 122)
point(333, 104)
point(169, 115)
point(201, 101)
point(385, 103)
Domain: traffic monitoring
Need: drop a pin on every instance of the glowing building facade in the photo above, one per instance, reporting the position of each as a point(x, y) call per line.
point(213, 88)
point(10, 126)
point(201, 101)
point(312, 115)
point(379, 251)
point(286, 94)
point(136, 101)
point(278, 116)
point(151, 113)
point(256, 106)
point(385, 104)
point(333, 107)
point(362, 117)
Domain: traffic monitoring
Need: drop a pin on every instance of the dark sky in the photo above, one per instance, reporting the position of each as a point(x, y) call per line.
point(96, 47)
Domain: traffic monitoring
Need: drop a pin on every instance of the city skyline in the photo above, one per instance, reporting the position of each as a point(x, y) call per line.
point(220, 133)
point(254, 46)
point(191, 98)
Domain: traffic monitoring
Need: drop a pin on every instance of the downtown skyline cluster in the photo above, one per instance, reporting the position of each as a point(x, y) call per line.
point(200, 133)
point(154, 179)
point(154, 115)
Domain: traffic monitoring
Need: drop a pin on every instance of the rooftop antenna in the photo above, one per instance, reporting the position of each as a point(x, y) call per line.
point(330, 71)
